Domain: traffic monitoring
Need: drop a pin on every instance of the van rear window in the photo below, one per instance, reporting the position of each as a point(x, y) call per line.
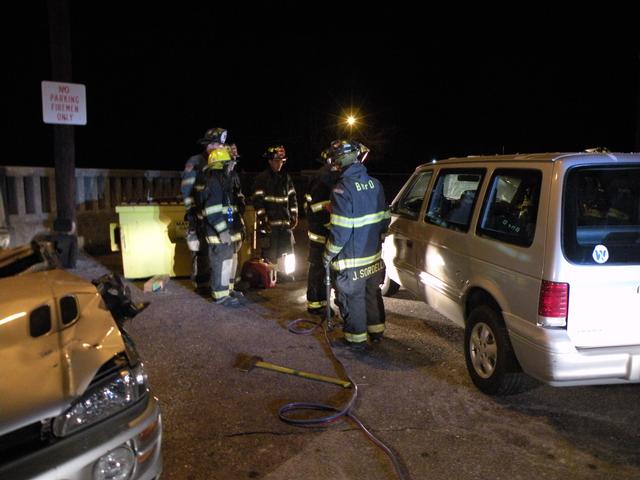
point(601, 215)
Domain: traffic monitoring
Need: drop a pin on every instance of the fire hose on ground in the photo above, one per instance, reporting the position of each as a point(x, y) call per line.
point(334, 414)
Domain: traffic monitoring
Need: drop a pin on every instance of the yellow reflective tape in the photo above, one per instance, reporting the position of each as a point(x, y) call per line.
point(188, 201)
point(355, 337)
point(316, 207)
point(316, 238)
point(220, 294)
point(333, 248)
point(358, 222)
point(220, 226)
point(213, 239)
point(258, 192)
point(212, 209)
point(345, 263)
point(341, 221)
point(260, 211)
point(321, 304)
point(188, 181)
point(274, 199)
point(377, 328)
point(308, 197)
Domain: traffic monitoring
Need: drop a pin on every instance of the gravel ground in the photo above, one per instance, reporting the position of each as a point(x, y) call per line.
point(413, 393)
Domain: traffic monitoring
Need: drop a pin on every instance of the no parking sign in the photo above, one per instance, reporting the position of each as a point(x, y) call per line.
point(64, 103)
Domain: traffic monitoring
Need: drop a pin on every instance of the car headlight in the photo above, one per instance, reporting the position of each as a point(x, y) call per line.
point(102, 401)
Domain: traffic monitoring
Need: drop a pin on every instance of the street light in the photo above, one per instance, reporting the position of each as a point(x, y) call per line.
point(351, 121)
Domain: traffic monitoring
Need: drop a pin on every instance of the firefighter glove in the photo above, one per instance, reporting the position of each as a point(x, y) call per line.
point(225, 237)
point(193, 242)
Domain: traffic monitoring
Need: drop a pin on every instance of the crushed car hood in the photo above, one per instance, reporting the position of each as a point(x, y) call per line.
point(41, 376)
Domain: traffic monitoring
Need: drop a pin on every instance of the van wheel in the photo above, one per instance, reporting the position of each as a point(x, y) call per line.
point(388, 287)
point(491, 363)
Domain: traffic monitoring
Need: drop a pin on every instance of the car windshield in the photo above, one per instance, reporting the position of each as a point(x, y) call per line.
point(601, 217)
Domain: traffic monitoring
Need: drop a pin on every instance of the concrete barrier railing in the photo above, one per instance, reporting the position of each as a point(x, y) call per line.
point(28, 200)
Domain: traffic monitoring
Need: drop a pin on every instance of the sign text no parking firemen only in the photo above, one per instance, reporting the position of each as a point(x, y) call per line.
point(64, 103)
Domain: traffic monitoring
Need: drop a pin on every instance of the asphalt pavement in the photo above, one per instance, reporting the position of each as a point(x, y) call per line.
point(413, 393)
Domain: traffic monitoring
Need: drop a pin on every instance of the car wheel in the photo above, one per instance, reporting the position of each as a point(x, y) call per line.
point(491, 363)
point(388, 287)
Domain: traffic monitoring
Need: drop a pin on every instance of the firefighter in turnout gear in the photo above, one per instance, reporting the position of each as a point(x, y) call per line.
point(359, 219)
point(238, 229)
point(200, 273)
point(276, 205)
point(213, 199)
point(318, 210)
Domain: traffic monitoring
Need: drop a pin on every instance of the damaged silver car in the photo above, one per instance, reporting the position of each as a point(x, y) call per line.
point(74, 396)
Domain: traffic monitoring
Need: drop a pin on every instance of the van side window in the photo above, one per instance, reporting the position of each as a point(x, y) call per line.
point(411, 202)
point(511, 207)
point(453, 198)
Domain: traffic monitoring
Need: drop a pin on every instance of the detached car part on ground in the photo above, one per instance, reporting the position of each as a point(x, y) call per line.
point(536, 256)
point(74, 397)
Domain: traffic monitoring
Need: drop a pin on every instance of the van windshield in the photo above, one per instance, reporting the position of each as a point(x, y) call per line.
point(601, 216)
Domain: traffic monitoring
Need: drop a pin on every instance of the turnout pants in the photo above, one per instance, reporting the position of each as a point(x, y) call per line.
point(360, 301)
point(200, 267)
point(316, 289)
point(276, 243)
point(235, 248)
point(220, 262)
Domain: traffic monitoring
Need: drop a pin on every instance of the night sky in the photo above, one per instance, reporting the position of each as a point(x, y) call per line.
point(157, 78)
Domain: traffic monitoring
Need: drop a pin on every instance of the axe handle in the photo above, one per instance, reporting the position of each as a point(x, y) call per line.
point(312, 376)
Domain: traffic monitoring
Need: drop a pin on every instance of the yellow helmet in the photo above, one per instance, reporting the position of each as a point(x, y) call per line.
point(218, 156)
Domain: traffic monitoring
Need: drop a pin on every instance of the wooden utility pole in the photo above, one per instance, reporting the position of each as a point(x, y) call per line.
point(64, 141)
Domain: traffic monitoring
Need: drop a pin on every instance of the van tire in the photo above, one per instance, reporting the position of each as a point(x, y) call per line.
point(388, 287)
point(491, 363)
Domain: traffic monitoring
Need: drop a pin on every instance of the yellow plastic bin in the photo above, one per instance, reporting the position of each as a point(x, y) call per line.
point(152, 240)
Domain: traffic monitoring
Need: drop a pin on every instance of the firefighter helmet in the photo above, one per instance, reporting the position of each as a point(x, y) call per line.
point(325, 156)
point(275, 152)
point(218, 157)
point(346, 152)
point(213, 135)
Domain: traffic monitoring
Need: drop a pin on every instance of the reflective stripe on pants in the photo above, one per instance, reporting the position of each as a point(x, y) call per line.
point(220, 262)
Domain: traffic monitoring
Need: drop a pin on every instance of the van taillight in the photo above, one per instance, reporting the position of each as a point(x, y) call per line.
point(553, 304)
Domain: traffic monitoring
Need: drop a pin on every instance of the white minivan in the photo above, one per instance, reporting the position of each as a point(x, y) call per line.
point(536, 256)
